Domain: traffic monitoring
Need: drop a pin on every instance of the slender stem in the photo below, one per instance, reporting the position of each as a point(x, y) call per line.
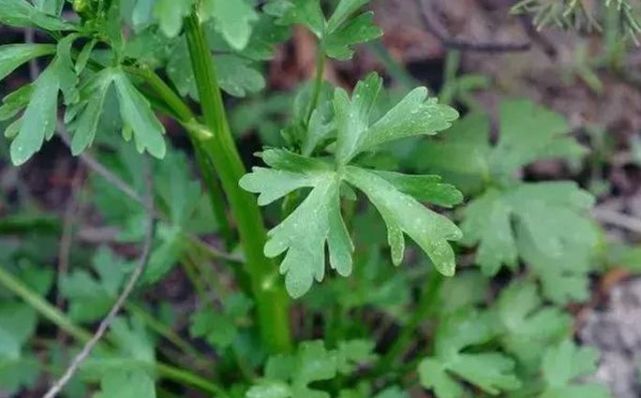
point(192, 275)
point(271, 300)
point(163, 330)
point(55, 316)
point(397, 71)
point(211, 252)
point(206, 271)
point(318, 82)
point(173, 101)
point(186, 117)
point(221, 295)
point(191, 379)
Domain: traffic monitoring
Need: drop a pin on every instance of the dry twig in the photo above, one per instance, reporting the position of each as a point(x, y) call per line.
point(66, 240)
point(95, 166)
point(120, 302)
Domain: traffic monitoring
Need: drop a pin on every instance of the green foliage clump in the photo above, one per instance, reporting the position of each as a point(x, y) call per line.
point(545, 224)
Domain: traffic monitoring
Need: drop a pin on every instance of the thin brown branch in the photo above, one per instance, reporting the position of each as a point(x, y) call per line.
point(435, 28)
point(128, 190)
point(101, 170)
point(120, 302)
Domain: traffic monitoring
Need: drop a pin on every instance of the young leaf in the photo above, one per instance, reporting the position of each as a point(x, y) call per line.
point(179, 192)
point(563, 365)
point(170, 15)
point(412, 116)
point(91, 298)
point(308, 13)
point(343, 11)
point(365, 391)
point(565, 276)
point(466, 290)
point(338, 43)
point(352, 116)
point(550, 218)
point(51, 7)
point(488, 221)
point(528, 133)
point(133, 353)
point(354, 353)
point(18, 373)
point(220, 328)
point(137, 114)
point(89, 110)
point(403, 214)
point(527, 326)
point(237, 76)
point(425, 188)
point(14, 55)
point(392, 392)
point(292, 375)
point(460, 154)
point(317, 221)
point(126, 384)
point(339, 34)
point(545, 224)
point(265, 36)
point(15, 102)
point(289, 376)
point(491, 371)
point(343, 31)
point(373, 284)
point(305, 232)
point(39, 119)
point(233, 19)
point(21, 14)
point(18, 325)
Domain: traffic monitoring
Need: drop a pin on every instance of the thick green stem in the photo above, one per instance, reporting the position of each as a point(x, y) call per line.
point(216, 195)
point(272, 302)
point(55, 316)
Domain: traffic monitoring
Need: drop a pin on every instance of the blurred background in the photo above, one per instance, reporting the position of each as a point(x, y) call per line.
point(473, 54)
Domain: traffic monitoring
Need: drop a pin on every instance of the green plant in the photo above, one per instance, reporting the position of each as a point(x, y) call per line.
point(117, 72)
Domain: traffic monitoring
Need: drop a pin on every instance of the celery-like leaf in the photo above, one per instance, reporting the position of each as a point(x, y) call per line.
point(318, 223)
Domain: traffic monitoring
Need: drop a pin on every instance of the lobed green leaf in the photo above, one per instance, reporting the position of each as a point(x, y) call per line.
point(14, 55)
point(22, 14)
